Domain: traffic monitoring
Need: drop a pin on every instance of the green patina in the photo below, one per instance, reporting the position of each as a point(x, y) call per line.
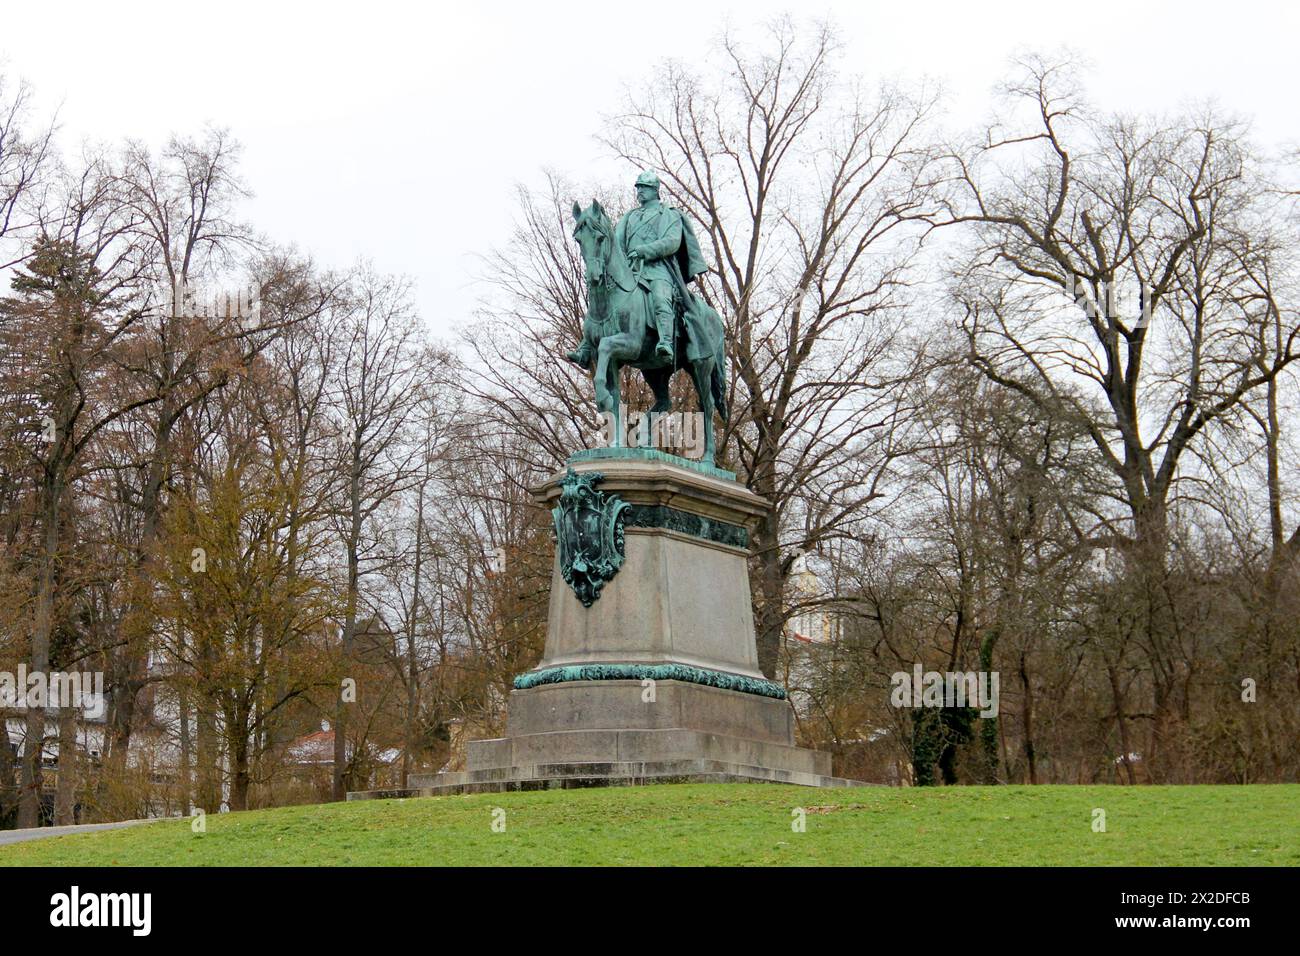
point(655, 672)
point(651, 454)
point(661, 516)
point(588, 534)
point(641, 311)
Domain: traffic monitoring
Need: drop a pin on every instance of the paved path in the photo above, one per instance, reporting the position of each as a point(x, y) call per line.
point(37, 833)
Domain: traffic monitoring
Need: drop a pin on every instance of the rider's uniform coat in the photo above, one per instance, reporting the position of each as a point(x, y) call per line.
point(666, 241)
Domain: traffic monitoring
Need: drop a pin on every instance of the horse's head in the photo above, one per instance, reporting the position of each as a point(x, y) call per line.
point(595, 239)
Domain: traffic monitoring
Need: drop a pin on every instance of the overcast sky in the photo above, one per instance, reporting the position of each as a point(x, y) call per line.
point(398, 131)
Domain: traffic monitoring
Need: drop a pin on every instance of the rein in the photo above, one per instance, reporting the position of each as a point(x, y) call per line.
point(602, 228)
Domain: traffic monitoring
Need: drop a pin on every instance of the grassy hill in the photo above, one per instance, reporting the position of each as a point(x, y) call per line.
point(728, 824)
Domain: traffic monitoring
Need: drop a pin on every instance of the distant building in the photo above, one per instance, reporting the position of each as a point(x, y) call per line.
point(815, 624)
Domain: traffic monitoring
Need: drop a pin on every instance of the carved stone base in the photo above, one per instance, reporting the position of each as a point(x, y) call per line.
point(681, 594)
point(614, 722)
point(656, 680)
point(628, 705)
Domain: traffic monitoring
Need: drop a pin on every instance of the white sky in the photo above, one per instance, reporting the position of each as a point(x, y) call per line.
point(397, 131)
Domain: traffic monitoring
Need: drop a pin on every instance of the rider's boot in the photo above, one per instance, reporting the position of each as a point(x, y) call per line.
point(664, 347)
point(581, 356)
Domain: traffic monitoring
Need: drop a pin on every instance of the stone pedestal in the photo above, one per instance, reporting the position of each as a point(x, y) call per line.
point(656, 680)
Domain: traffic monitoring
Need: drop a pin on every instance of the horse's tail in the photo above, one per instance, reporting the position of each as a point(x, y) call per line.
point(718, 380)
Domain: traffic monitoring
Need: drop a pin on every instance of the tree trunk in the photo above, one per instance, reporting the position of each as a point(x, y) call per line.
point(206, 763)
point(29, 794)
point(65, 794)
point(131, 662)
point(117, 733)
point(771, 595)
point(340, 788)
point(1120, 719)
point(1027, 718)
point(239, 775)
point(183, 714)
point(30, 777)
point(7, 767)
point(412, 662)
point(989, 725)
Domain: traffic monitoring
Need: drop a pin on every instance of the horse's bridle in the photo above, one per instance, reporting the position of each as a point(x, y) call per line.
point(597, 227)
point(600, 226)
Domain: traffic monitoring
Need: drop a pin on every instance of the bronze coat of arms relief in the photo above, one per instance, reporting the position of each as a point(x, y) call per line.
point(588, 533)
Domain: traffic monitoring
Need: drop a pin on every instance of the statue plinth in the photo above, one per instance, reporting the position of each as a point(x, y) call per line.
point(681, 596)
point(657, 678)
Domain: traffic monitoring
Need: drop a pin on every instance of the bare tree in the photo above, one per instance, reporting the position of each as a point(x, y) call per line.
point(246, 628)
point(73, 319)
point(25, 156)
point(1072, 210)
point(532, 317)
point(379, 362)
point(806, 187)
point(183, 232)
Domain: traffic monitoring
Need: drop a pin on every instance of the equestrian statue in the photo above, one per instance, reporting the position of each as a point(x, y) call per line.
point(641, 311)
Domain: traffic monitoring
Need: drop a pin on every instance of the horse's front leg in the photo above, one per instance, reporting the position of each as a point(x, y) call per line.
point(614, 351)
point(616, 397)
point(601, 376)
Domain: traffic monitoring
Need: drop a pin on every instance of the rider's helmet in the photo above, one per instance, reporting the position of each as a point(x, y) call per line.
point(648, 178)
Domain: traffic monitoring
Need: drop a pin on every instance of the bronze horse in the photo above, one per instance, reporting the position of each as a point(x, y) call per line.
point(620, 326)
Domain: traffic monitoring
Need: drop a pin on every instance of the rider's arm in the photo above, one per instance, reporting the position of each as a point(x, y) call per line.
point(668, 242)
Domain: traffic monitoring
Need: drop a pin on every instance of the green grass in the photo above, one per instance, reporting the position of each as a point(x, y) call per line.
point(728, 824)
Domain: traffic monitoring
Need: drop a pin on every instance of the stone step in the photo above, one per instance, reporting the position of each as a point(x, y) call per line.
point(636, 746)
point(579, 775)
